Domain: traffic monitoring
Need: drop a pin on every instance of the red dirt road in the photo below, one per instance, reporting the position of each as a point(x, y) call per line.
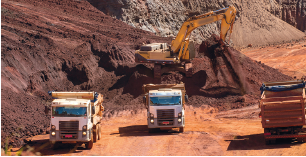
point(207, 132)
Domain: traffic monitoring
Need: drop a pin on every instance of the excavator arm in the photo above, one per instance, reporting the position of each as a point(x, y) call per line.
point(180, 43)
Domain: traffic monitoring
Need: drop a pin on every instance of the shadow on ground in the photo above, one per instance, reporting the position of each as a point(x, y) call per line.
point(44, 147)
point(142, 130)
point(257, 142)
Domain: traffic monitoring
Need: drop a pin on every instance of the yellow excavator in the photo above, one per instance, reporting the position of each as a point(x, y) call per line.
point(178, 56)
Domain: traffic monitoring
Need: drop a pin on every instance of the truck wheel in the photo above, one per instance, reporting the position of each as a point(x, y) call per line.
point(181, 129)
point(267, 142)
point(89, 144)
point(300, 140)
point(99, 132)
point(95, 135)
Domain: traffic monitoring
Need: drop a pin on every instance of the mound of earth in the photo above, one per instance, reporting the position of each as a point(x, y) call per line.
point(79, 48)
point(257, 26)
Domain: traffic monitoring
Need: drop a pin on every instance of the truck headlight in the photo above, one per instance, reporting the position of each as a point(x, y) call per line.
point(84, 127)
point(152, 121)
point(84, 133)
point(53, 133)
point(151, 115)
point(52, 127)
point(179, 120)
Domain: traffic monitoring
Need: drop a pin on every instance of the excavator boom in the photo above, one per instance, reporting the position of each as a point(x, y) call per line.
point(227, 20)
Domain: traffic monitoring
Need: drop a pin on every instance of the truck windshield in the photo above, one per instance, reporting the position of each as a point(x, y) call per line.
point(69, 111)
point(165, 100)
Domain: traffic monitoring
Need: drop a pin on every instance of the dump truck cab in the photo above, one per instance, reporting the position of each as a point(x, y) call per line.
point(75, 117)
point(165, 106)
point(69, 120)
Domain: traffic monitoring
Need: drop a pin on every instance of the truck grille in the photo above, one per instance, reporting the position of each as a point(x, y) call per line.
point(68, 125)
point(165, 117)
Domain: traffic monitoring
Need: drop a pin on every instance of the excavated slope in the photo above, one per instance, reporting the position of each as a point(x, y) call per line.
point(68, 45)
point(256, 24)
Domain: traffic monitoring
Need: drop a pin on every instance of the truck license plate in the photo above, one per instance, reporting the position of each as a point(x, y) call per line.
point(68, 136)
point(165, 122)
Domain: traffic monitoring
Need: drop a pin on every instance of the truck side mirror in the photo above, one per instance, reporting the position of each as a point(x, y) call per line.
point(145, 101)
point(186, 98)
point(46, 109)
point(93, 110)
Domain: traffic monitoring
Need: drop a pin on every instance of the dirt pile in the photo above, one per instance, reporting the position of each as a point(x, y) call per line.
point(259, 22)
point(257, 26)
point(78, 48)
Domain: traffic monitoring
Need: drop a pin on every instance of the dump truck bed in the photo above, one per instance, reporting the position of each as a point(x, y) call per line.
point(283, 104)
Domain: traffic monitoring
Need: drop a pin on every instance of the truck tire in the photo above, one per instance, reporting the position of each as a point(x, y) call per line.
point(95, 135)
point(99, 132)
point(273, 141)
point(89, 144)
point(181, 129)
point(300, 140)
point(267, 142)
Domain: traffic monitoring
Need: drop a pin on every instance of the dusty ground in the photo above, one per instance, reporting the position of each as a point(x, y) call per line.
point(289, 58)
point(207, 132)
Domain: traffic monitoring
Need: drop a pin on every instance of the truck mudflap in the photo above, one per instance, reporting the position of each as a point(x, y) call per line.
point(301, 135)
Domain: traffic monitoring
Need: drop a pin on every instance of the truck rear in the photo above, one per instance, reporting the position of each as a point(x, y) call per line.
point(282, 107)
point(165, 106)
point(75, 118)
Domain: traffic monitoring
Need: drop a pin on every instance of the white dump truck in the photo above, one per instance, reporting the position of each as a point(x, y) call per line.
point(165, 106)
point(75, 117)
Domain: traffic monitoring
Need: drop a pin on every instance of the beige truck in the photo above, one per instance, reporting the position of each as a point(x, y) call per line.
point(282, 107)
point(75, 118)
point(165, 105)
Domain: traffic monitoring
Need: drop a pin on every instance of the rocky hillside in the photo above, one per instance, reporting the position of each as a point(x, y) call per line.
point(164, 18)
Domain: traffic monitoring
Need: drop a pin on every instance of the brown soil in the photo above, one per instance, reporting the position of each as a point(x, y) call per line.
point(78, 48)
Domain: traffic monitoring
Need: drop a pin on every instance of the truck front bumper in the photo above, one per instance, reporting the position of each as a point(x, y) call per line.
point(158, 123)
point(61, 136)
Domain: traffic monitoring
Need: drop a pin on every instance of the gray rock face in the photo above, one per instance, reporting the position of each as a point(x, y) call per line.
point(162, 17)
point(258, 21)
